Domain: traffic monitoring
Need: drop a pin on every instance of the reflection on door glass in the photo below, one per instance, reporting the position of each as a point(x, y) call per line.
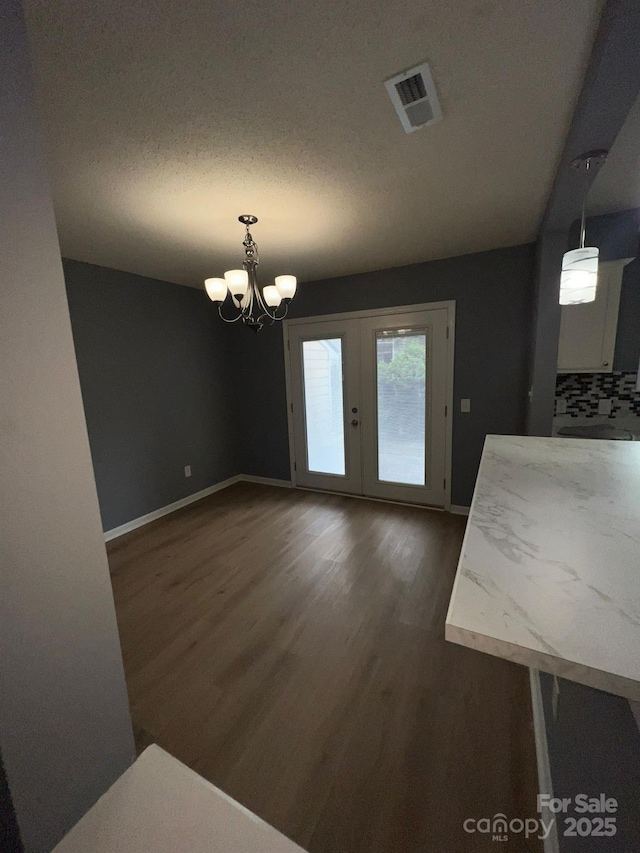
point(322, 372)
point(401, 358)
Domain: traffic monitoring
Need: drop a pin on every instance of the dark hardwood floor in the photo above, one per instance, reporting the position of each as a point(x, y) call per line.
point(289, 646)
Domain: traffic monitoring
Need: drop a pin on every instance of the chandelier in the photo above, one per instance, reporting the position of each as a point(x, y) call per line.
point(253, 307)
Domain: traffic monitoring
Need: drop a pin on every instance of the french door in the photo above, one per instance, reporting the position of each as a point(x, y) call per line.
point(369, 399)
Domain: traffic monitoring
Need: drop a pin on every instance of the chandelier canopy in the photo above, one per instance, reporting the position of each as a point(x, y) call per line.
point(252, 306)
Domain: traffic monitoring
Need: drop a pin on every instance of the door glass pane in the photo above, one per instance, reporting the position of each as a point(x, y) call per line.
point(322, 372)
point(401, 358)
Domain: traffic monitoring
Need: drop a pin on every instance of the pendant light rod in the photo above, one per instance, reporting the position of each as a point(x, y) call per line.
point(584, 204)
point(590, 162)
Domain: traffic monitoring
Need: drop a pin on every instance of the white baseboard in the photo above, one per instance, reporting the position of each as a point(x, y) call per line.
point(165, 510)
point(545, 783)
point(456, 509)
point(196, 496)
point(265, 481)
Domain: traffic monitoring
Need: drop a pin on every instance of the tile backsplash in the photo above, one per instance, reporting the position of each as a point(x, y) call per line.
point(579, 394)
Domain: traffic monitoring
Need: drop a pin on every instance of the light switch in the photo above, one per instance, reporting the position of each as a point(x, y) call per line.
point(465, 405)
point(604, 406)
point(561, 406)
point(187, 470)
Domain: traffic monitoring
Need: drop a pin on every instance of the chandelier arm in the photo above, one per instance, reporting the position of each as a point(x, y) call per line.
point(267, 313)
point(226, 319)
point(247, 311)
point(262, 307)
point(261, 303)
point(275, 317)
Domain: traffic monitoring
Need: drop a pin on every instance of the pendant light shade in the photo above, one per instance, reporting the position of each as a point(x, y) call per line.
point(271, 296)
point(286, 286)
point(579, 278)
point(237, 282)
point(216, 289)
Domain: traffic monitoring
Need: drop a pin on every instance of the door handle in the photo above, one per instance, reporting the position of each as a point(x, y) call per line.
point(354, 422)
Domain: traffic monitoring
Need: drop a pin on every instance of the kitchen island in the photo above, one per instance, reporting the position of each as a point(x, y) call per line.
point(549, 573)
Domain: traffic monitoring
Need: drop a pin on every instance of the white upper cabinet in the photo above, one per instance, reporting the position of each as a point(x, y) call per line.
point(588, 332)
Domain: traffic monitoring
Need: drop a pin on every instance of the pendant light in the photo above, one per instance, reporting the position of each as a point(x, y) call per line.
point(579, 277)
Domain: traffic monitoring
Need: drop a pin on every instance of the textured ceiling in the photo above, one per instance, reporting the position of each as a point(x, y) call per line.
point(166, 120)
point(617, 185)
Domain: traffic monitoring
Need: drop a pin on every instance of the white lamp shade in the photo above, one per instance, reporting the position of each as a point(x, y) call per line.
point(271, 296)
point(216, 289)
point(579, 278)
point(237, 282)
point(286, 286)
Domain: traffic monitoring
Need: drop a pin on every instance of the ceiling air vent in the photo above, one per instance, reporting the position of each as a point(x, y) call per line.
point(413, 94)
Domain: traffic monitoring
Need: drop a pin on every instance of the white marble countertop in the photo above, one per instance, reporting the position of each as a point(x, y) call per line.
point(549, 573)
point(159, 805)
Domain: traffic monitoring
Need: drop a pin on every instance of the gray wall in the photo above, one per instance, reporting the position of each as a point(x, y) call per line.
point(594, 748)
point(546, 331)
point(627, 352)
point(10, 841)
point(594, 743)
point(493, 293)
point(153, 359)
point(65, 729)
point(616, 235)
point(610, 88)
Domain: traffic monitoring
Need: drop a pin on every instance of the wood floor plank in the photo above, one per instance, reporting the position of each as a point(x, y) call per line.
point(289, 646)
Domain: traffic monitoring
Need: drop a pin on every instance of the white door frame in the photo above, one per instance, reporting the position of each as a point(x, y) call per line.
point(450, 306)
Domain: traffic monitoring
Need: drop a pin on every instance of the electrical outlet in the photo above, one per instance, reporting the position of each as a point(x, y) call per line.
point(465, 405)
point(604, 406)
point(561, 406)
point(187, 470)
